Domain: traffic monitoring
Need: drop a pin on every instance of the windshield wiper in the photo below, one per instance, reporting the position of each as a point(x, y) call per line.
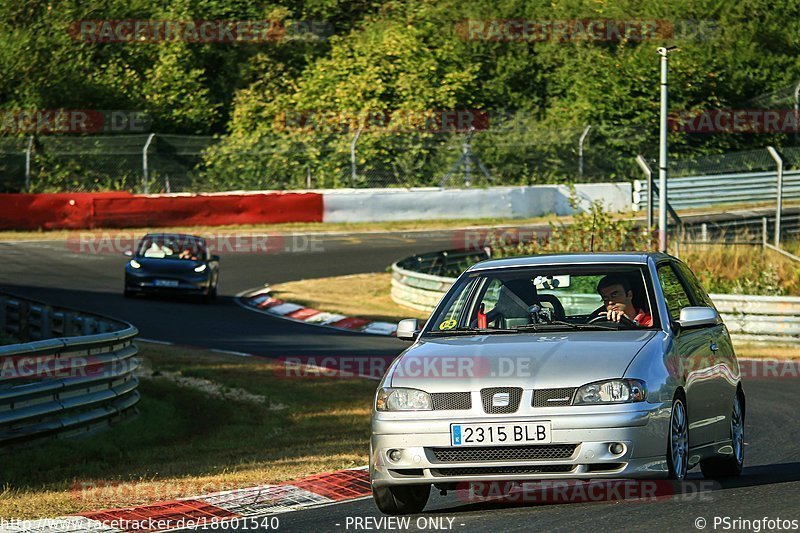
point(470, 331)
point(560, 324)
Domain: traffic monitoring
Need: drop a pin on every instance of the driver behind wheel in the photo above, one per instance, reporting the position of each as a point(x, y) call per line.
point(617, 297)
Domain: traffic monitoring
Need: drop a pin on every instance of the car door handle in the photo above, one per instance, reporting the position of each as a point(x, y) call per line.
point(714, 346)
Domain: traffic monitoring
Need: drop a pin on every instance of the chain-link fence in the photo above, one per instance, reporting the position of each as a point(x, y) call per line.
point(511, 152)
point(508, 153)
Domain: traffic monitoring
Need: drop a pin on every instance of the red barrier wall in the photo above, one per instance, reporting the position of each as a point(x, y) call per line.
point(124, 210)
point(50, 211)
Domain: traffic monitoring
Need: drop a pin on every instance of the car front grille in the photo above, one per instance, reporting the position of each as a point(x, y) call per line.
point(489, 470)
point(552, 397)
point(451, 401)
point(514, 396)
point(504, 453)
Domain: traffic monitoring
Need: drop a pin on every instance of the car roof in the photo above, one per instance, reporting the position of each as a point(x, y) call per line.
point(630, 258)
point(176, 236)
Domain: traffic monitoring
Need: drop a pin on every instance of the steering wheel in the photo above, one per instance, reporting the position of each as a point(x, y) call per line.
point(623, 320)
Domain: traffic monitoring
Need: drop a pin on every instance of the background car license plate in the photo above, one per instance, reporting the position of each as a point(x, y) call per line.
point(166, 283)
point(500, 433)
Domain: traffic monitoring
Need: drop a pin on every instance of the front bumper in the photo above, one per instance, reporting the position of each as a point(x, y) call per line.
point(641, 428)
point(149, 283)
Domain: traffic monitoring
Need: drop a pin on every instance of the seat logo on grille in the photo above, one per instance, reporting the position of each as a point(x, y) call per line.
point(501, 399)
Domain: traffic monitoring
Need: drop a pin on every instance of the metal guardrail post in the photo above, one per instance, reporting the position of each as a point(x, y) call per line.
point(779, 194)
point(145, 171)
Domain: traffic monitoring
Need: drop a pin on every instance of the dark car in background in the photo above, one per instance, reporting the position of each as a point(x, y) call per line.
point(172, 263)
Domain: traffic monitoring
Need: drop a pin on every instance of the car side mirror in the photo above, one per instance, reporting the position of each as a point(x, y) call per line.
point(128, 253)
point(695, 317)
point(408, 329)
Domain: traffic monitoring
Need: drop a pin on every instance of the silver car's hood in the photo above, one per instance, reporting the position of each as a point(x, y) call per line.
point(530, 361)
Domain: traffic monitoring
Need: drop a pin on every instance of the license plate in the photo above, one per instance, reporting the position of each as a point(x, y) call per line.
point(166, 283)
point(500, 433)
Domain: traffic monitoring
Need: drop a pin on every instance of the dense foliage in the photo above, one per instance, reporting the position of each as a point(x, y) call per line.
point(399, 56)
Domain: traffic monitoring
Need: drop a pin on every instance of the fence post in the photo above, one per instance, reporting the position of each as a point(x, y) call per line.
point(28, 153)
point(649, 175)
point(580, 150)
point(779, 203)
point(353, 175)
point(763, 236)
point(145, 177)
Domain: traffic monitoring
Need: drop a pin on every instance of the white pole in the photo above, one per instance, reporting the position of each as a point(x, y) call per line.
point(28, 153)
point(662, 159)
point(145, 186)
point(796, 107)
point(649, 175)
point(580, 150)
point(779, 204)
point(353, 175)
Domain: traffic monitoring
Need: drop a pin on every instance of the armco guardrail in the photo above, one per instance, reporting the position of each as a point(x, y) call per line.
point(420, 281)
point(761, 317)
point(701, 191)
point(73, 384)
point(757, 318)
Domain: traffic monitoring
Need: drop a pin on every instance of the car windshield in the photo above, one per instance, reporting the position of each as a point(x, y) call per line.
point(179, 247)
point(517, 300)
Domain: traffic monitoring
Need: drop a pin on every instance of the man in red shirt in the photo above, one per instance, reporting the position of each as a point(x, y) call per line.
point(617, 297)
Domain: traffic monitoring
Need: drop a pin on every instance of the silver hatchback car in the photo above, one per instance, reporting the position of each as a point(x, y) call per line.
point(562, 366)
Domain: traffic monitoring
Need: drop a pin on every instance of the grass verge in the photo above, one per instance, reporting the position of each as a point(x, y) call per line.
point(208, 422)
point(361, 295)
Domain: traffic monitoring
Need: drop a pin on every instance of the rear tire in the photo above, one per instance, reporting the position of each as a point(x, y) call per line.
point(127, 293)
point(678, 440)
point(409, 499)
point(722, 467)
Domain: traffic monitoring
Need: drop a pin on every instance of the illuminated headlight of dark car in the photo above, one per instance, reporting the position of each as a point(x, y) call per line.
point(200, 268)
point(611, 391)
point(390, 399)
point(134, 264)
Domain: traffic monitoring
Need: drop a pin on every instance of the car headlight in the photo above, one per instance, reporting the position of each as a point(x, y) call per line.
point(200, 268)
point(611, 391)
point(135, 264)
point(403, 400)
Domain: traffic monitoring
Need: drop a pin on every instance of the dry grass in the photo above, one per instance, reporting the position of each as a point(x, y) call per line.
point(743, 269)
point(361, 295)
point(190, 440)
point(766, 350)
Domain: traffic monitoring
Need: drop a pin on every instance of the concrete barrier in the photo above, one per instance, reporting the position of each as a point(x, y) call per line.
point(374, 205)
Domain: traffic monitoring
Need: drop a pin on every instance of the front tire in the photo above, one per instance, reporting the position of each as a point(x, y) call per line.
point(678, 440)
point(408, 499)
point(722, 467)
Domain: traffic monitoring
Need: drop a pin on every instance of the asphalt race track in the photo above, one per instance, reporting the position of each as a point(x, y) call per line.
point(769, 488)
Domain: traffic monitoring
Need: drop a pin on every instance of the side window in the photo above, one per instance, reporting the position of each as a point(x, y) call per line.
point(695, 288)
point(674, 292)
